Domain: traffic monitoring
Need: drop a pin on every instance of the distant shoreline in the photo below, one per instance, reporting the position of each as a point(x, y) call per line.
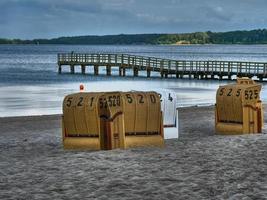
point(207, 44)
point(258, 36)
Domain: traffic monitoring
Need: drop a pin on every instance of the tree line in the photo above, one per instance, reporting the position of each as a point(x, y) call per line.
point(258, 36)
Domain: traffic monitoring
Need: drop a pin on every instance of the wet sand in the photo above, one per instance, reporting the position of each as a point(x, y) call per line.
point(200, 165)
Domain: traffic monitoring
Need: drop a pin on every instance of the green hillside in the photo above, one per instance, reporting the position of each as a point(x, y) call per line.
point(258, 36)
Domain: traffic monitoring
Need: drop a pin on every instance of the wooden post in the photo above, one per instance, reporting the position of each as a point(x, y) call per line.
point(72, 70)
point(161, 68)
point(120, 71)
point(83, 69)
point(166, 75)
point(135, 71)
point(229, 69)
point(191, 68)
point(107, 135)
point(161, 74)
point(123, 71)
point(204, 68)
point(176, 68)
point(108, 69)
point(109, 58)
point(96, 70)
point(246, 68)
point(59, 69)
point(265, 70)
point(148, 72)
point(207, 70)
point(184, 68)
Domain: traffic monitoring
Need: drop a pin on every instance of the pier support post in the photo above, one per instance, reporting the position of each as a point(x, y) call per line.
point(123, 71)
point(59, 69)
point(96, 70)
point(108, 69)
point(229, 77)
point(161, 74)
point(220, 77)
point(83, 69)
point(181, 76)
point(190, 76)
point(166, 75)
point(177, 75)
point(148, 73)
point(135, 71)
point(212, 76)
point(120, 71)
point(72, 69)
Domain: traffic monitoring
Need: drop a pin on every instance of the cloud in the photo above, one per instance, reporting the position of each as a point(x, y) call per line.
point(53, 18)
point(218, 13)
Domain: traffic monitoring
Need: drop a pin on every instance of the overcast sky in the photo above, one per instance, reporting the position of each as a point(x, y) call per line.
point(27, 19)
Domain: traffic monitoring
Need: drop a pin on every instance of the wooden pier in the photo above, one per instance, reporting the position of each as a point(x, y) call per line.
point(165, 67)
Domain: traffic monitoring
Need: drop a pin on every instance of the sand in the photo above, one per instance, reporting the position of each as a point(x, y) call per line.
point(200, 165)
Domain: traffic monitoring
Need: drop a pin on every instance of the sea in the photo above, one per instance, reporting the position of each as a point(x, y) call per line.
point(31, 85)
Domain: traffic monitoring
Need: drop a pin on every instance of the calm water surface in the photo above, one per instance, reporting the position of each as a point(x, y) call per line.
point(30, 85)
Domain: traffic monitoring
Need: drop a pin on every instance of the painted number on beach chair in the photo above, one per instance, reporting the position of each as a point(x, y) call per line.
point(101, 103)
point(69, 100)
point(141, 99)
point(170, 97)
point(114, 101)
point(91, 101)
point(129, 98)
point(111, 101)
point(250, 94)
point(238, 92)
point(256, 94)
point(221, 91)
point(229, 92)
point(160, 96)
point(80, 101)
point(152, 98)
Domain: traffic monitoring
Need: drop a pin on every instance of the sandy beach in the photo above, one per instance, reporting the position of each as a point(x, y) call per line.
point(200, 165)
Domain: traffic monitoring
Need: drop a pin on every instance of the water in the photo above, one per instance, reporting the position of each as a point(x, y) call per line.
point(30, 85)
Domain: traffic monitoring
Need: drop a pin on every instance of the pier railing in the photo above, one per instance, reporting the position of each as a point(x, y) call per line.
point(165, 66)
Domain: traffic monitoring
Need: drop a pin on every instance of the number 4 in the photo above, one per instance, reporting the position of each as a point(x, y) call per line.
point(170, 97)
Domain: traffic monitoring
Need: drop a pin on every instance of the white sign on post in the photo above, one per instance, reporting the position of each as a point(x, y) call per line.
point(170, 113)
